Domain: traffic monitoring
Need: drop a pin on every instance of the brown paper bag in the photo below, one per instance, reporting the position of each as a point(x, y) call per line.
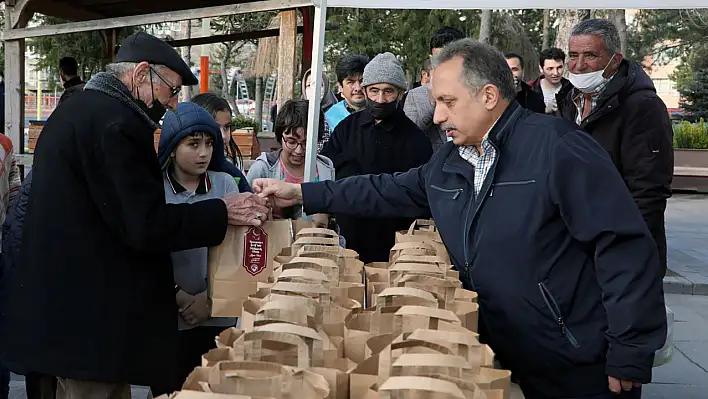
point(337, 379)
point(227, 337)
point(217, 355)
point(425, 230)
point(431, 365)
point(410, 318)
point(282, 343)
point(243, 259)
point(399, 296)
point(464, 344)
point(202, 395)
point(419, 388)
point(265, 380)
point(442, 288)
point(411, 248)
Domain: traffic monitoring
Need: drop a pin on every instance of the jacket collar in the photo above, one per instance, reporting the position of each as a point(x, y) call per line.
point(497, 136)
point(203, 187)
point(75, 81)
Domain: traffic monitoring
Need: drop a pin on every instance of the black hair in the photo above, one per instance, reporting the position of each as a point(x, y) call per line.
point(427, 65)
point(551, 53)
point(213, 103)
point(69, 66)
point(509, 56)
point(292, 116)
point(350, 65)
point(445, 36)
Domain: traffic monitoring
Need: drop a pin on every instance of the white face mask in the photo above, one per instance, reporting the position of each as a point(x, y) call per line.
point(589, 82)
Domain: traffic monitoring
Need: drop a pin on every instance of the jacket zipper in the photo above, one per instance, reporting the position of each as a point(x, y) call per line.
point(457, 191)
point(510, 183)
point(555, 311)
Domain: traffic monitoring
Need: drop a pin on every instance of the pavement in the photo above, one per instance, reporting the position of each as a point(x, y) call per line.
point(687, 235)
point(686, 288)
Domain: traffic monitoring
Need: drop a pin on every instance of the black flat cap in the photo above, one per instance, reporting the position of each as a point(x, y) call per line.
point(141, 46)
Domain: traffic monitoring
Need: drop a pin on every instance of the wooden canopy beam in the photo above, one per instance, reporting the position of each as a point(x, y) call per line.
point(64, 10)
point(168, 16)
point(231, 37)
point(18, 13)
point(286, 56)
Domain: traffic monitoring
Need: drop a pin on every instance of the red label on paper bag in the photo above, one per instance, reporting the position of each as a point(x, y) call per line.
point(255, 251)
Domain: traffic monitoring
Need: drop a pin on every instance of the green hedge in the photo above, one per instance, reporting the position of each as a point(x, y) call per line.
point(691, 135)
point(240, 121)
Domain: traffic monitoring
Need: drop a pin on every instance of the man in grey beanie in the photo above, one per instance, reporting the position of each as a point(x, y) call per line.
point(379, 139)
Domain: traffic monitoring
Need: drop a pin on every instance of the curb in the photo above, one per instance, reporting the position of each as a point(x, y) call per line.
point(674, 283)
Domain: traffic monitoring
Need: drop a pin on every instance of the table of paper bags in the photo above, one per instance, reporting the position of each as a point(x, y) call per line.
point(315, 322)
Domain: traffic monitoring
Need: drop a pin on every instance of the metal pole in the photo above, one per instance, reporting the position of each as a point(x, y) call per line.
point(39, 94)
point(314, 108)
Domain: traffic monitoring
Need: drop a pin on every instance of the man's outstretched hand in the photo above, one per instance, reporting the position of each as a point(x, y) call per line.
point(279, 193)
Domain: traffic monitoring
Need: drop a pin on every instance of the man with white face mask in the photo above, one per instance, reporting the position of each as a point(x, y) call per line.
point(615, 101)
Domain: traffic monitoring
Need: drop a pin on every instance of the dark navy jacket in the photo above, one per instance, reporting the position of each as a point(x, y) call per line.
point(568, 277)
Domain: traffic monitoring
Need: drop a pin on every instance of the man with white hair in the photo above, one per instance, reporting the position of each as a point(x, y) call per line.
point(92, 298)
point(615, 101)
point(537, 221)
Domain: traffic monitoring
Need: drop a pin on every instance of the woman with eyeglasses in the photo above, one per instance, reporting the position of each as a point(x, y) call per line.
point(219, 109)
point(288, 162)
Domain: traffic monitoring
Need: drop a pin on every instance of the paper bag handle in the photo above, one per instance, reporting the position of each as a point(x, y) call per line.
point(427, 384)
point(392, 292)
point(306, 274)
point(303, 351)
point(317, 232)
point(421, 222)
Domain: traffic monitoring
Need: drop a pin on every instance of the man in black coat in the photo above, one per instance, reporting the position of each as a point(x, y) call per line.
point(525, 94)
point(378, 139)
point(92, 300)
point(615, 101)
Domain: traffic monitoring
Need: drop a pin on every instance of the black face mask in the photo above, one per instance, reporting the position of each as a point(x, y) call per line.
point(382, 111)
point(157, 111)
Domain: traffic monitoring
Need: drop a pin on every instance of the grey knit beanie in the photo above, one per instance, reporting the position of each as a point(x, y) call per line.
point(384, 68)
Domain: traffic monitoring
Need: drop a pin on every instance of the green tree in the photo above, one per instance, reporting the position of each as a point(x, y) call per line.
point(694, 95)
point(667, 34)
point(224, 56)
point(86, 47)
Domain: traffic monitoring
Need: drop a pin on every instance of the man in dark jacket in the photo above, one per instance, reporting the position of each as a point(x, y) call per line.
point(525, 95)
point(551, 81)
point(69, 75)
point(378, 139)
point(91, 299)
point(615, 101)
point(537, 221)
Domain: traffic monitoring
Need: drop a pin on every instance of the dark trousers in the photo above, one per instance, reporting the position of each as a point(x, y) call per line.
point(192, 344)
point(4, 383)
point(40, 386)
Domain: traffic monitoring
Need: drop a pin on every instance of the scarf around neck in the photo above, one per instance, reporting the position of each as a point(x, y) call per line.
point(110, 85)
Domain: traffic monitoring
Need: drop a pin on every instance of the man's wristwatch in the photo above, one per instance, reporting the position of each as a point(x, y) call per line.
point(177, 288)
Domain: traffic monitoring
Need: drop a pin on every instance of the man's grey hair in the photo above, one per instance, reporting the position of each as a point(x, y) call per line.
point(482, 64)
point(121, 69)
point(605, 29)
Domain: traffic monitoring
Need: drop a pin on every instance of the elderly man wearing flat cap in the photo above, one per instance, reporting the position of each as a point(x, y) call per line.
point(92, 298)
point(379, 139)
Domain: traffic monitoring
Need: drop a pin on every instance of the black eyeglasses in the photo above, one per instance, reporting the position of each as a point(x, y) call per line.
point(173, 90)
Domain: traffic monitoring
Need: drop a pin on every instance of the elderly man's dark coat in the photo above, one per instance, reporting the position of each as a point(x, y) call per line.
point(92, 297)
